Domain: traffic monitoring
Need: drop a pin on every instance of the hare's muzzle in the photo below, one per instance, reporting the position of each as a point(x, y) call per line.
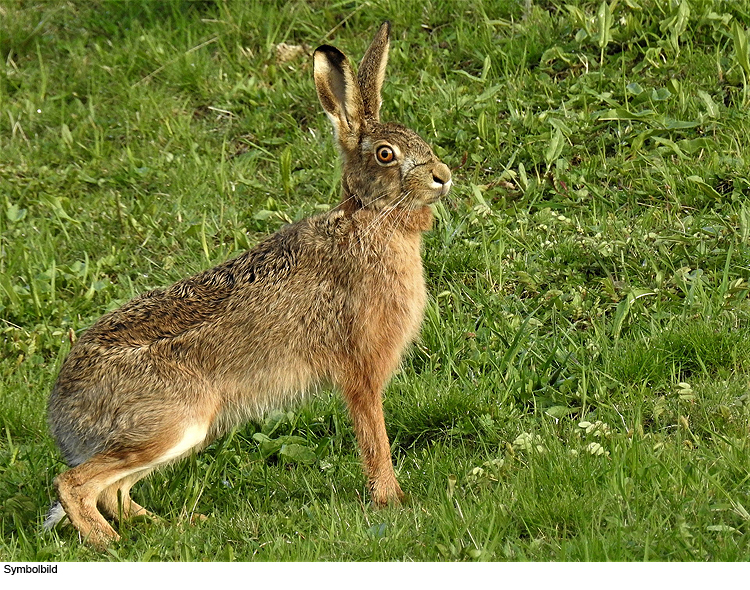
point(441, 179)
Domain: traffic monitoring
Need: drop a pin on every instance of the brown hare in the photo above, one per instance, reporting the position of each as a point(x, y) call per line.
point(330, 300)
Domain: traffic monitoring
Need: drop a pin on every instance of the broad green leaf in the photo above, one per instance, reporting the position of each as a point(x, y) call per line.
point(622, 311)
point(675, 124)
point(555, 147)
point(482, 125)
point(620, 114)
point(270, 446)
point(680, 23)
point(660, 94)
point(490, 93)
point(558, 411)
point(634, 88)
point(676, 23)
point(721, 528)
point(67, 136)
point(711, 107)
point(693, 145)
point(554, 53)
point(707, 189)
point(476, 192)
point(285, 166)
point(14, 213)
point(7, 287)
point(274, 420)
point(640, 139)
point(298, 453)
point(486, 67)
point(604, 23)
point(522, 177)
point(264, 215)
point(377, 530)
point(665, 141)
point(741, 47)
point(55, 203)
point(577, 14)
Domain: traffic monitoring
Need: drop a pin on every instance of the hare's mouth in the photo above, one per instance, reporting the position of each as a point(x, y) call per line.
point(443, 188)
point(438, 190)
point(442, 179)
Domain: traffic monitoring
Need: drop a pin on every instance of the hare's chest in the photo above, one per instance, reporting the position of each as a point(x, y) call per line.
point(402, 299)
point(415, 298)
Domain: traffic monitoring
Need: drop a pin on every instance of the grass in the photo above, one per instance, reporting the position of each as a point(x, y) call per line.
point(580, 390)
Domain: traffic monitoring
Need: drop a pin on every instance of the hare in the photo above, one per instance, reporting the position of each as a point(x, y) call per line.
point(333, 299)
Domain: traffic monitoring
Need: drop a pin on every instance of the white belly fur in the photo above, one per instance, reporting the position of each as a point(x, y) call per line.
point(192, 436)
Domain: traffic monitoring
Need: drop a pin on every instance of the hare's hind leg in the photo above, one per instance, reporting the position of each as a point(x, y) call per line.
point(115, 501)
point(79, 489)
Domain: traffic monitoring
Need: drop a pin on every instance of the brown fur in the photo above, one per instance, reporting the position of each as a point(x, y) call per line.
point(333, 299)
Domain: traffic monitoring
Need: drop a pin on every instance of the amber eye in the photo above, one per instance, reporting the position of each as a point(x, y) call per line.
point(385, 154)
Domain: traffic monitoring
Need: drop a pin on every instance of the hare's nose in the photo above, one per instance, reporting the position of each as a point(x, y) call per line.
point(441, 175)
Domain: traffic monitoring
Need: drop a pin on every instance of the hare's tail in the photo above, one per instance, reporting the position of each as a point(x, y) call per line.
point(54, 515)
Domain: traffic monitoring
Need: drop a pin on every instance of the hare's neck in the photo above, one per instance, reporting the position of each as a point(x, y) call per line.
point(401, 219)
point(417, 220)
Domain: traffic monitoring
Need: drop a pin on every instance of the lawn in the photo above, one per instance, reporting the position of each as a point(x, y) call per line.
point(581, 387)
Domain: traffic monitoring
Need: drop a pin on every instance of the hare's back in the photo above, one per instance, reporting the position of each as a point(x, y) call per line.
point(172, 353)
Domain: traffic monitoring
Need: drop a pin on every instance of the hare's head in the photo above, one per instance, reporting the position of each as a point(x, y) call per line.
point(385, 164)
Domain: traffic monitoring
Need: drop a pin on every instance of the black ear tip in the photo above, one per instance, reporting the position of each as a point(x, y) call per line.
point(333, 54)
point(327, 49)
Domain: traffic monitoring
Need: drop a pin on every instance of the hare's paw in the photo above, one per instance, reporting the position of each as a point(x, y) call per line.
point(385, 492)
point(100, 537)
point(198, 518)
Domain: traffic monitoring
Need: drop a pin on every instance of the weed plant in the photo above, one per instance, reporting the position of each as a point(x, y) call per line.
point(581, 387)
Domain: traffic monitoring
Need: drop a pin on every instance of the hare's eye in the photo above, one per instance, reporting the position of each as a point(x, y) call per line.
point(385, 154)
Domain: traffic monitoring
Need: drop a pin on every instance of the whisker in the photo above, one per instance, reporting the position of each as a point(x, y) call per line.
point(381, 213)
point(349, 198)
point(392, 211)
point(381, 218)
point(394, 227)
point(404, 214)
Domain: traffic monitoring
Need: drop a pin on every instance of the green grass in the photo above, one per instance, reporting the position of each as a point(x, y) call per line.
point(581, 387)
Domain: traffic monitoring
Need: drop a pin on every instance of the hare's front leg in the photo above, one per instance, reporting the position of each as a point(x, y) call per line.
point(364, 398)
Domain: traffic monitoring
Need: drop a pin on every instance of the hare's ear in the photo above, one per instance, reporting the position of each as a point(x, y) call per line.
point(372, 71)
point(339, 94)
